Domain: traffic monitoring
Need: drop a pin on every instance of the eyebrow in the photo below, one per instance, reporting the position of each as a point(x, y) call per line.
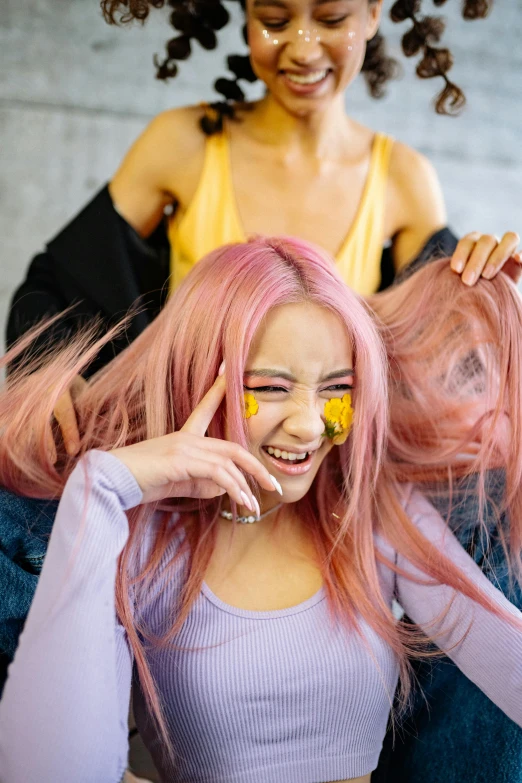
point(270, 373)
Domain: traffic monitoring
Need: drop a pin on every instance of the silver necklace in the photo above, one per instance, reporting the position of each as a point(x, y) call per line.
point(250, 519)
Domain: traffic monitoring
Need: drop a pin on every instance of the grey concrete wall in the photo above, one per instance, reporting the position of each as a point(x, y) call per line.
point(75, 92)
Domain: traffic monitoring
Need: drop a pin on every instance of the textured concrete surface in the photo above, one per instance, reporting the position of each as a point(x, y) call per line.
point(75, 92)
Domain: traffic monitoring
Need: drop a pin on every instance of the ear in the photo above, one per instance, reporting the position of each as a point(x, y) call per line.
point(374, 18)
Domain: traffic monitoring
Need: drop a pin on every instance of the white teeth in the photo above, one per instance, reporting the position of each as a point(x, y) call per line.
point(288, 455)
point(309, 78)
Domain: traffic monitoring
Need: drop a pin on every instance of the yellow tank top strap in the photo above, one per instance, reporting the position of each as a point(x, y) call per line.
point(211, 219)
point(359, 260)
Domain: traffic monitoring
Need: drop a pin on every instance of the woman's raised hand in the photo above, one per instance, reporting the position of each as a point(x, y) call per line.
point(484, 255)
point(188, 464)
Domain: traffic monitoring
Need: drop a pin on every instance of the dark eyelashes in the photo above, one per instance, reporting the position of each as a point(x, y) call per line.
point(333, 22)
point(278, 26)
point(339, 387)
point(274, 25)
point(263, 389)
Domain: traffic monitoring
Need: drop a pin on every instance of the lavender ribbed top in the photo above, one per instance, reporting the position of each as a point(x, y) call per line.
point(282, 696)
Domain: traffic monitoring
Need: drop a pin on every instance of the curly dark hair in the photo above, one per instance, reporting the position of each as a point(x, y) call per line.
point(200, 19)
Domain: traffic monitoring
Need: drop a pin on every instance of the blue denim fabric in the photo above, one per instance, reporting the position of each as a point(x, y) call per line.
point(25, 525)
point(454, 733)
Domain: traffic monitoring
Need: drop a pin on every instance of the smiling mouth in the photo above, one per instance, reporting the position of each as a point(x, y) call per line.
point(290, 457)
point(307, 78)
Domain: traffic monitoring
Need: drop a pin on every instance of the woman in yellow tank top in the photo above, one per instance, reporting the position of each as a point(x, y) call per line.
point(291, 163)
point(294, 162)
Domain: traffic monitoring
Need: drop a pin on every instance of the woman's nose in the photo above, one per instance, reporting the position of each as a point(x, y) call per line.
point(304, 46)
point(305, 422)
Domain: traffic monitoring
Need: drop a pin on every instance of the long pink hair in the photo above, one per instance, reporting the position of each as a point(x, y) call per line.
point(455, 363)
point(152, 387)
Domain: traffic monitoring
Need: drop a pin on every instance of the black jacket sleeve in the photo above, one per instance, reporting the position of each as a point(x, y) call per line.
point(101, 267)
point(441, 244)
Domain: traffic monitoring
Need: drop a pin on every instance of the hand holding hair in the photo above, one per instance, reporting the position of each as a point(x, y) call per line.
point(484, 255)
point(188, 464)
point(65, 414)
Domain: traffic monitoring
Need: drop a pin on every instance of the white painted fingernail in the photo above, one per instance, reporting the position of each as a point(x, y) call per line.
point(488, 272)
point(256, 504)
point(276, 484)
point(246, 501)
point(221, 370)
point(459, 267)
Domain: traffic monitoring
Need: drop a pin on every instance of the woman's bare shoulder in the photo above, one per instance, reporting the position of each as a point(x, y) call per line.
point(161, 167)
point(175, 135)
point(410, 170)
point(415, 200)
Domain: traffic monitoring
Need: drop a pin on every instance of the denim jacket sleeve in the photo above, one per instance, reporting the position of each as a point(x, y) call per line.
point(25, 526)
point(63, 713)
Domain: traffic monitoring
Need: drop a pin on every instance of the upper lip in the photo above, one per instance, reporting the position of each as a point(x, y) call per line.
point(305, 72)
point(291, 449)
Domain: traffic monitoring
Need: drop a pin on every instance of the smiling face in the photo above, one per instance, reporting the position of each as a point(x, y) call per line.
point(300, 358)
point(308, 51)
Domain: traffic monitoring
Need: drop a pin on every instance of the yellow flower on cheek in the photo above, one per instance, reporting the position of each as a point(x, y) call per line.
point(251, 406)
point(338, 414)
point(333, 409)
point(347, 412)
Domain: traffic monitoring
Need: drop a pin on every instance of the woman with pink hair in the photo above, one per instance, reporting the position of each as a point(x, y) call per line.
point(232, 537)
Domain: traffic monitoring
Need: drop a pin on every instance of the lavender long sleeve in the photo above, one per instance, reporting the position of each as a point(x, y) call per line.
point(63, 716)
point(250, 697)
point(485, 647)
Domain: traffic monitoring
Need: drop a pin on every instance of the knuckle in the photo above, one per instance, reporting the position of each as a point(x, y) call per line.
point(240, 453)
point(229, 464)
point(512, 236)
point(486, 240)
point(220, 472)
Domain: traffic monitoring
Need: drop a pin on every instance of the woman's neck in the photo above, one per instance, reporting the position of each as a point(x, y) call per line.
point(319, 134)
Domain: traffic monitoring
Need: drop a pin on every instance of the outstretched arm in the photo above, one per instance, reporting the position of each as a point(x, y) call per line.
point(63, 715)
point(486, 647)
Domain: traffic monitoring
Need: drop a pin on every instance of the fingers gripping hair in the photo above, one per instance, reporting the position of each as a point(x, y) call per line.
point(422, 37)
